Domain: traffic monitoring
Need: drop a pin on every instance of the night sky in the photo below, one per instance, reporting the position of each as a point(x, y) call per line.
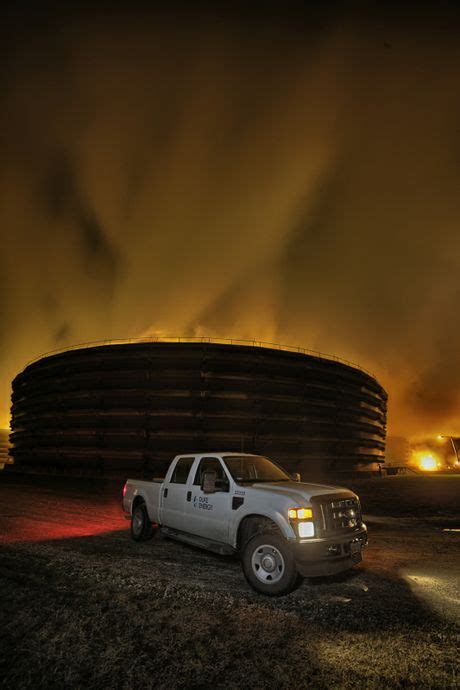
point(258, 170)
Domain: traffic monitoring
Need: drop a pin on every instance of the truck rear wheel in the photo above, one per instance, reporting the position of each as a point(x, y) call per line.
point(141, 527)
point(269, 564)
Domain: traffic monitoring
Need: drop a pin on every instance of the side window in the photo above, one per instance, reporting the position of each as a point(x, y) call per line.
point(214, 465)
point(181, 470)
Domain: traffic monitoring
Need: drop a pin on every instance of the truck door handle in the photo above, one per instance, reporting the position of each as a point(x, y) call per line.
point(189, 495)
point(165, 493)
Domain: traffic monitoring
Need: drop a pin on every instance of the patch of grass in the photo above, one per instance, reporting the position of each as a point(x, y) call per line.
point(102, 611)
point(69, 621)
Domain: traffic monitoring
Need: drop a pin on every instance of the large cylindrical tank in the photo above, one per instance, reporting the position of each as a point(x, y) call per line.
point(130, 407)
point(4, 448)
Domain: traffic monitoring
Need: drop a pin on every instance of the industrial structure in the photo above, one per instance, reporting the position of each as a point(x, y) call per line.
point(4, 448)
point(129, 407)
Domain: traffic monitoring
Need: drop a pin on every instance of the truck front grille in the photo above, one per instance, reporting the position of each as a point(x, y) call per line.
point(337, 513)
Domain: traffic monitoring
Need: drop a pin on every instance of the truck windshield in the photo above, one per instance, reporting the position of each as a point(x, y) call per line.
point(254, 468)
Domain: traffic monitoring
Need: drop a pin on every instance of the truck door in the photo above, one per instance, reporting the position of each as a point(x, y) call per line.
point(175, 494)
point(208, 515)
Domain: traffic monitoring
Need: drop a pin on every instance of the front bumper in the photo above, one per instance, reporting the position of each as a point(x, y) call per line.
point(330, 555)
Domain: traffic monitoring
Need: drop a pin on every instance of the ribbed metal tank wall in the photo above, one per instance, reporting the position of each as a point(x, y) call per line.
point(4, 448)
point(131, 407)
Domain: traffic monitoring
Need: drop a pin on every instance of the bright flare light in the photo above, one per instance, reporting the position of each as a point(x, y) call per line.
point(428, 463)
point(425, 459)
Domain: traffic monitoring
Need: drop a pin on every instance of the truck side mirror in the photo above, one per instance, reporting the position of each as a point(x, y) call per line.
point(296, 476)
point(208, 482)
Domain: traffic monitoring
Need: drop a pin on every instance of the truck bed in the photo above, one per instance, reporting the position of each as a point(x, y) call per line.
point(149, 490)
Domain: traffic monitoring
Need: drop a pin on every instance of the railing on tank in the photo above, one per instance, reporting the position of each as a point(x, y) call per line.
point(204, 339)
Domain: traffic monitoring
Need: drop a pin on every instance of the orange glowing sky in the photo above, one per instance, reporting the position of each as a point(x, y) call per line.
point(284, 175)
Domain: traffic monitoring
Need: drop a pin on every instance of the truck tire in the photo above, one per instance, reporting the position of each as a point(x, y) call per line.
point(269, 565)
point(141, 527)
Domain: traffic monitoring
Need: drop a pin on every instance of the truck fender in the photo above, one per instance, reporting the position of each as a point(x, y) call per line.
point(251, 524)
point(138, 497)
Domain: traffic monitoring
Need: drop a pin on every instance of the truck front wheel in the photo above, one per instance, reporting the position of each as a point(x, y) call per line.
point(269, 565)
point(141, 527)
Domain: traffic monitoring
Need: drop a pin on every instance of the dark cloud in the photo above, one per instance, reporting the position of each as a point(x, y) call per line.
point(66, 204)
point(63, 334)
point(100, 256)
point(59, 189)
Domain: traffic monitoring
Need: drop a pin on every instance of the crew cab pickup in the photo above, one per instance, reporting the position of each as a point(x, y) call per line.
point(282, 529)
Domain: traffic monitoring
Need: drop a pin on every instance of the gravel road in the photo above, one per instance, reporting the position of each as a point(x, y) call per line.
point(84, 606)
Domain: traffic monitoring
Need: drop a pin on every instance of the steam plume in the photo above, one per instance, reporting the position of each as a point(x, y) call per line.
point(242, 176)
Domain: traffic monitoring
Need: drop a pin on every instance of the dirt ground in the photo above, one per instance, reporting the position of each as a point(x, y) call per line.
point(83, 606)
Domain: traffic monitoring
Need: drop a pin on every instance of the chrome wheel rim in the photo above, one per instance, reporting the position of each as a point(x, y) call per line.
point(267, 564)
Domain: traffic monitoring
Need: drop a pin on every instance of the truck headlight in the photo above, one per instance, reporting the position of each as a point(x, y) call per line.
point(300, 513)
point(306, 529)
point(302, 521)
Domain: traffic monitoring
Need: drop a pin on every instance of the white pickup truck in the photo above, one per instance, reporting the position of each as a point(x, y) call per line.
point(230, 503)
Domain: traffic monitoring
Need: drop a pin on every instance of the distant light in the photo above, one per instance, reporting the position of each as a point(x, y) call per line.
point(428, 463)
